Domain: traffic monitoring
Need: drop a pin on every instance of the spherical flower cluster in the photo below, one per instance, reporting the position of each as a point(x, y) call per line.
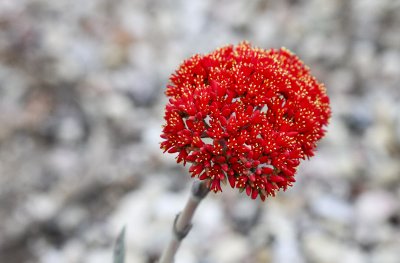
point(246, 116)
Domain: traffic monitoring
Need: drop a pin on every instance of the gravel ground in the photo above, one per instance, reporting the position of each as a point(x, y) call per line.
point(81, 106)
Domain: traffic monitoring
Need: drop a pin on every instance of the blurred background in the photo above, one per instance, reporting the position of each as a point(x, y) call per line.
point(81, 108)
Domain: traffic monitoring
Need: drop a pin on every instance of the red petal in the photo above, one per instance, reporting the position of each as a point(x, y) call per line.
point(248, 190)
point(232, 181)
point(252, 177)
point(173, 150)
point(254, 193)
point(203, 176)
point(276, 178)
point(267, 170)
point(216, 185)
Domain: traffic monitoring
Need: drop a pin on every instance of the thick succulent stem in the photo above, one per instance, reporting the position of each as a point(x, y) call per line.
point(183, 221)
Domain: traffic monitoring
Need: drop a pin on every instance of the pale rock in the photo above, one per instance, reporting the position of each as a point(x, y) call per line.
point(191, 17)
point(114, 56)
point(63, 162)
point(147, 212)
point(385, 172)
point(143, 58)
point(244, 209)
point(391, 64)
point(332, 208)
point(340, 81)
point(140, 86)
point(386, 254)
point(134, 212)
point(73, 251)
point(169, 205)
point(185, 256)
point(116, 106)
point(231, 248)
point(363, 57)
point(70, 130)
point(322, 248)
point(397, 125)
point(52, 255)
point(134, 20)
point(98, 256)
point(337, 135)
point(41, 207)
point(152, 140)
point(313, 45)
point(209, 218)
point(375, 206)
point(378, 138)
point(266, 34)
point(286, 247)
point(352, 254)
point(133, 255)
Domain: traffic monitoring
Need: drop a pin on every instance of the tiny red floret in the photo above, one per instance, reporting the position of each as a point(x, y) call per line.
point(246, 116)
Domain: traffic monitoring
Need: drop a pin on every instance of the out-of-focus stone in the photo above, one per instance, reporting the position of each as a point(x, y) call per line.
point(81, 105)
point(333, 208)
point(41, 208)
point(230, 248)
point(322, 248)
point(387, 254)
point(375, 206)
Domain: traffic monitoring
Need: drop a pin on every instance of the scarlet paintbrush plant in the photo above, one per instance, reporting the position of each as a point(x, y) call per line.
point(244, 115)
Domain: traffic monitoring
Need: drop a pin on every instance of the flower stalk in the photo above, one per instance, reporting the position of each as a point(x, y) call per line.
point(183, 221)
point(242, 115)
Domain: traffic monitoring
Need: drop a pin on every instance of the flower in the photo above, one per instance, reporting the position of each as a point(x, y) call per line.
point(244, 115)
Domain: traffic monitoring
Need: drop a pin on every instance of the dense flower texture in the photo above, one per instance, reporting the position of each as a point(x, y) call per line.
point(244, 115)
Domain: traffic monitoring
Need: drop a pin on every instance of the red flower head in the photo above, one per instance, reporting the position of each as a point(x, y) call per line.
point(244, 115)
